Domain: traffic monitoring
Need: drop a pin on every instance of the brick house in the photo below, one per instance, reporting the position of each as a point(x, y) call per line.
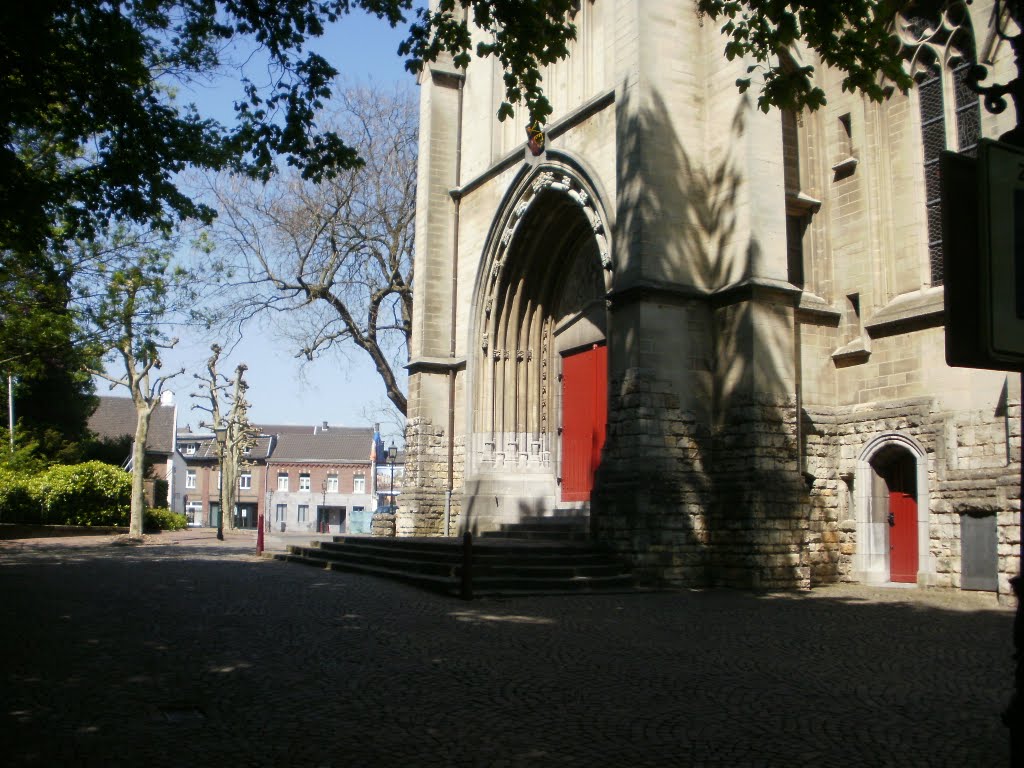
point(201, 480)
point(320, 479)
point(718, 333)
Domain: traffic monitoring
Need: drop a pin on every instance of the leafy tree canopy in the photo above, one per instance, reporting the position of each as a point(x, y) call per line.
point(90, 131)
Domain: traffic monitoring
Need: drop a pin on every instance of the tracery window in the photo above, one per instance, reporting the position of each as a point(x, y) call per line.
point(940, 52)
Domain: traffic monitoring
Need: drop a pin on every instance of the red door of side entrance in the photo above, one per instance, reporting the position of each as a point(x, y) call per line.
point(902, 537)
point(584, 418)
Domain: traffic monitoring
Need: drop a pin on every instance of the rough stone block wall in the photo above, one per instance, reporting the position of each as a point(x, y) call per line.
point(758, 518)
point(973, 468)
point(831, 542)
point(651, 490)
point(694, 508)
point(422, 508)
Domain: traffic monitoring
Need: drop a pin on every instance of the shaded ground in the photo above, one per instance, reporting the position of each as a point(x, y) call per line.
point(185, 651)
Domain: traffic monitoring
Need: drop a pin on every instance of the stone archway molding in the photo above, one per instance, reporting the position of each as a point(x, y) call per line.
point(558, 172)
point(871, 562)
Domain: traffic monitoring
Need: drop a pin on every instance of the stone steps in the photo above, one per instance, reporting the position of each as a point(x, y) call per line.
point(556, 528)
point(496, 566)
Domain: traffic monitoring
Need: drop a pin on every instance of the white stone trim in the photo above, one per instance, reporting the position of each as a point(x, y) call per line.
point(871, 561)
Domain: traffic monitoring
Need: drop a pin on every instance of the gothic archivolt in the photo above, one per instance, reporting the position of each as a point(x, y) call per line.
point(544, 279)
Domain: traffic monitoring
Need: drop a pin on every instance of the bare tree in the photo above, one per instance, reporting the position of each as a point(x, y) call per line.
point(220, 393)
point(333, 260)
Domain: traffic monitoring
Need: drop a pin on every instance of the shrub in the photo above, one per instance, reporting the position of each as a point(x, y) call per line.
point(19, 498)
point(92, 493)
point(162, 519)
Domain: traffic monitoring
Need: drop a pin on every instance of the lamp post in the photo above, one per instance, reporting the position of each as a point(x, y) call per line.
point(392, 454)
point(323, 507)
point(221, 433)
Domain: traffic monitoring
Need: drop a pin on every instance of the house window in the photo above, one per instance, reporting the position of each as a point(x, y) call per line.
point(304, 484)
point(190, 449)
point(190, 478)
point(332, 483)
point(218, 480)
point(282, 481)
point(245, 481)
point(303, 512)
point(279, 512)
point(358, 484)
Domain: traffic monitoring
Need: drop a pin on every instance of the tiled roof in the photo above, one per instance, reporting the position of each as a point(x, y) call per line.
point(115, 418)
point(288, 429)
point(336, 445)
point(206, 447)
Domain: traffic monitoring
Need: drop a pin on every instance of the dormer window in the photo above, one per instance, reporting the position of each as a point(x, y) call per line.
point(190, 449)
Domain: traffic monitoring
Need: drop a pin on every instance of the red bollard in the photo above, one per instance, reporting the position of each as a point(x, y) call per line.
point(259, 537)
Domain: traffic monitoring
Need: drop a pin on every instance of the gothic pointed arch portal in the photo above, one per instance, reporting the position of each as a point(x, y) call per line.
point(539, 301)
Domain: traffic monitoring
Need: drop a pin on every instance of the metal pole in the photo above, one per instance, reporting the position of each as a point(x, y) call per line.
point(10, 409)
point(220, 495)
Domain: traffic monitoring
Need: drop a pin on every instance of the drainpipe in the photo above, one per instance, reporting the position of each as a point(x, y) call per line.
point(457, 200)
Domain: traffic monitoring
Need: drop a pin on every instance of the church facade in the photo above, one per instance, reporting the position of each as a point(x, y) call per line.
point(717, 332)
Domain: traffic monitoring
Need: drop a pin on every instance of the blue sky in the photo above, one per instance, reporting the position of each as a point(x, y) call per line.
point(342, 390)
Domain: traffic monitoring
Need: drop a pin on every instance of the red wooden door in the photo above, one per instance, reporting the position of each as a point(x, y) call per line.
point(584, 418)
point(902, 537)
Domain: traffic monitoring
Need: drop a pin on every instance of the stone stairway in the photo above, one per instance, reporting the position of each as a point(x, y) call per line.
point(556, 528)
point(487, 566)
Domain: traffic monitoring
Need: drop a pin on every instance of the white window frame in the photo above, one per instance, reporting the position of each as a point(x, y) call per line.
point(283, 479)
point(332, 483)
point(359, 484)
point(190, 478)
point(190, 449)
point(245, 481)
point(305, 482)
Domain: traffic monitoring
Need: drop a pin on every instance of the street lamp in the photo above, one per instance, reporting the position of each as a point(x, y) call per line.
point(221, 433)
point(323, 508)
point(392, 454)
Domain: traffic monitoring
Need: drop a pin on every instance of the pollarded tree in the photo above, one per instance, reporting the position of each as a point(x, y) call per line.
point(129, 294)
point(333, 260)
point(225, 404)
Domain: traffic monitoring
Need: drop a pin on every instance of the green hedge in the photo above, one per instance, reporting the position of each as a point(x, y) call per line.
point(92, 493)
point(19, 498)
point(162, 519)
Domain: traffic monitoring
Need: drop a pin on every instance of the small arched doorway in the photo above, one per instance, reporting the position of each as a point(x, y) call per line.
point(891, 490)
point(894, 497)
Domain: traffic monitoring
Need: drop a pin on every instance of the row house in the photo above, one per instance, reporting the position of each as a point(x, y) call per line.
point(322, 480)
point(202, 480)
point(300, 478)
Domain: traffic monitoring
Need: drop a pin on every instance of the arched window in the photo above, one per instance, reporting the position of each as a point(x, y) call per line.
point(941, 51)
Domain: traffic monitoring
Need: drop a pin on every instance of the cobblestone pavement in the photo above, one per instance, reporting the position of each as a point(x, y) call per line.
point(185, 651)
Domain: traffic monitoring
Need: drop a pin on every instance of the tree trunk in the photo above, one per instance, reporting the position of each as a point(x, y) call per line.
point(138, 508)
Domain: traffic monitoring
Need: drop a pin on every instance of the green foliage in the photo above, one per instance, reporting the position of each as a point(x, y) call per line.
point(162, 519)
point(19, 497)
point(522, 36)
point(854, 37)
point(92, 493)
point(52, 393)
point(90, 129)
